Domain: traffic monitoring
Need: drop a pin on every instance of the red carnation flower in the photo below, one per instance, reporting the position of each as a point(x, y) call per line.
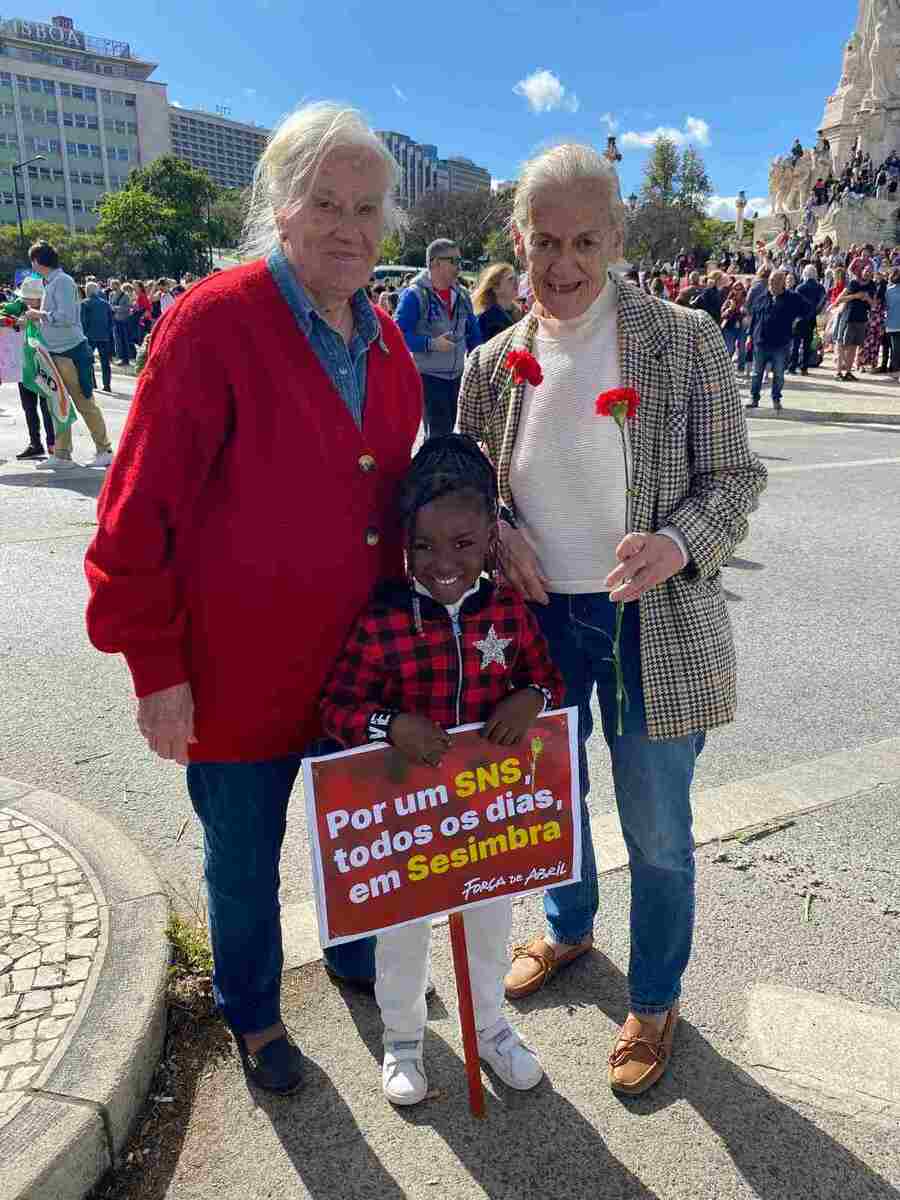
point(619, 403)
point(525, 367)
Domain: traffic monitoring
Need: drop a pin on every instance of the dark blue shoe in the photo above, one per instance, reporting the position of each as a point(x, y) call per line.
point(352, 963)
point(277, 1067)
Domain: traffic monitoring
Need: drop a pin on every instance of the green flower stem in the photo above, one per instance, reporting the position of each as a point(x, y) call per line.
point(621, 693)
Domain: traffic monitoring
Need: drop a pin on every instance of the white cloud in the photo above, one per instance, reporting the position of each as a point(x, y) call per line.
point(400, 95)
point(723, 207)
point(695, 130)
point(250, 92)
point(177, 104)
point(609, 121)
point(544, 92)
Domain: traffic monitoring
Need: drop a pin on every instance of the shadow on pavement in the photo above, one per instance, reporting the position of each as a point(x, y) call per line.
point(776, 1150)
point(83, 481)
point(530, 1142)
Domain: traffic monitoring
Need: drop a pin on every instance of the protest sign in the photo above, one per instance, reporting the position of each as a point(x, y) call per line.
point(395, 841)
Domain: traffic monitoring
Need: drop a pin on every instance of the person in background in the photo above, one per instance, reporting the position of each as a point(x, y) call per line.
point(494, 300)
point(164, 293)
point(440, 326)
point(892, 319)
point(143, 311)
point(734, 321)
point(804, 328)
point(856, 300)
point(690, 290)
point(97, 323)
point(60, 322)
point(772, 318)
point(121, 313)
point(30, 295)
point(867, 359)
point(711, 298)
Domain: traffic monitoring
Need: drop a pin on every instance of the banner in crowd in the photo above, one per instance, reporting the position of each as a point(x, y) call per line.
point(12, 343)
point(394, 841)
point(49, 383)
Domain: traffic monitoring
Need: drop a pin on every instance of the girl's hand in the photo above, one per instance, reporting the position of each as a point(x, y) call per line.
point(419, 739)
point(513, 717)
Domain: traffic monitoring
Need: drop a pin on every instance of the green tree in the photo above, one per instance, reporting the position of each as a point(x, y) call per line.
point(694, 187)
point(465, 217)
point(498, 246)
point(227, 215)
point(661, 173)
point(130, 226)
point(391, 249)
point(187, 196)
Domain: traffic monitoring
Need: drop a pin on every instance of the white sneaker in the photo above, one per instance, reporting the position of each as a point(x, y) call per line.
point(403, 1079)
point(55, 464)
point(101, 459)
point(502, 1048)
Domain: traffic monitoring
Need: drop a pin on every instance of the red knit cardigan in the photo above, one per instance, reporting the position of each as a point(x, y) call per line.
point(245, 518)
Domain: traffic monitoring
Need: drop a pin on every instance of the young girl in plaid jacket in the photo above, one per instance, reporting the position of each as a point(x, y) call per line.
point(446, 648)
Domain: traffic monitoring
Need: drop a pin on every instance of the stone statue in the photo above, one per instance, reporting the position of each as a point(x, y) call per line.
point(885, 85)
point(850, 65)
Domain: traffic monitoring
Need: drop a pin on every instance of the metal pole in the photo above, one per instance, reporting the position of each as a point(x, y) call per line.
point(22, 247)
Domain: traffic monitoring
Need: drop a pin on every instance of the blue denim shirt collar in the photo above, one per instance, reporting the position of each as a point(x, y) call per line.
point(366, 325)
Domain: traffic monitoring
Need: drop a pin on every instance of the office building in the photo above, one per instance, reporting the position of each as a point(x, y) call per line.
point(416, 167)
point(86, 106)
point(227, 150)
point(462, 175)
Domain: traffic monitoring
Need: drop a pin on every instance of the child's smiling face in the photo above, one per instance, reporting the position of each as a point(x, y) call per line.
point(449, 544)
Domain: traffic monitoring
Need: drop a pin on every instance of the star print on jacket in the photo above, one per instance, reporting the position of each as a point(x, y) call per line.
point(492, 649)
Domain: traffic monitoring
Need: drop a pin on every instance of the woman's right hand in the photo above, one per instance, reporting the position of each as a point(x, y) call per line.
point(520, 565)
point(166, 719)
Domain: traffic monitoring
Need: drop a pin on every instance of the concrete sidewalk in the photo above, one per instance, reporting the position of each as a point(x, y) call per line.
point(784, 1084)
point(818, 396)
point(83, 967)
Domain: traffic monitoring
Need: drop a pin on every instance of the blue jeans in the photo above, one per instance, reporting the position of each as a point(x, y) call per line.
point(777, 359)
point(243, 809)
point(652, 784)
point(736, 338)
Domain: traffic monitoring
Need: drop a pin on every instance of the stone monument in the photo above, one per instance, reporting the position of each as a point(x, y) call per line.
point(864, 109)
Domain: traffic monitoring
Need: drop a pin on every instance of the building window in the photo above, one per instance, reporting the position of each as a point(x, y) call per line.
point(65, 89)
point(58, 173)
point(52, 118)
point(69, 119)
point(46, 174)
point(60, 202)
point(98, 180)
point(90, 93)
point(49, 89)
point(105, 95)
point(132, 128)
point(8, 198)
point(54, 147)
point(77, 92)
point(36, 85)
point(5, 79)
point(77, 204)
point(80, 121)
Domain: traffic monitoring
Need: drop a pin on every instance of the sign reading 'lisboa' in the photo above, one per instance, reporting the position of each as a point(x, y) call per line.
point(35, 31)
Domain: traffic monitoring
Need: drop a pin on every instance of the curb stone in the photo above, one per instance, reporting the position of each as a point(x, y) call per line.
point(75, 1115)
point(811, 414)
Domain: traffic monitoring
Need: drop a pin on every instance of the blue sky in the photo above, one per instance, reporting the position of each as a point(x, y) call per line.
point(497, 79)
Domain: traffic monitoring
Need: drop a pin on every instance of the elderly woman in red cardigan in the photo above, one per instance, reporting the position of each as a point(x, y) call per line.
point(243, 524)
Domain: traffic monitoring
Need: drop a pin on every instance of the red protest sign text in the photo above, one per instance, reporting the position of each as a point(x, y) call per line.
point(395, 841)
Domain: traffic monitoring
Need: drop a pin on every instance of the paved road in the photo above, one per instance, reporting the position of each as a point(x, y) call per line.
point(813, 599)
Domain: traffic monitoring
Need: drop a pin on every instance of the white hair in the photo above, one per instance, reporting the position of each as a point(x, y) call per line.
point(810, 272)
point(295, 151)
point(561, 166)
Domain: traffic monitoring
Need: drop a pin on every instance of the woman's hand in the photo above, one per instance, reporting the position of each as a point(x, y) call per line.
point(520, 565)
point(166, 719)
point(419, 739)
point(646, 560)
point(513, 717)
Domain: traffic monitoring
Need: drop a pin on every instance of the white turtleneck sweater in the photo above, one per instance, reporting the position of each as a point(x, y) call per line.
point(568, 470)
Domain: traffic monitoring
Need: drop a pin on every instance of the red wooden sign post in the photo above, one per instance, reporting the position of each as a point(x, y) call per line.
point(466, 1014)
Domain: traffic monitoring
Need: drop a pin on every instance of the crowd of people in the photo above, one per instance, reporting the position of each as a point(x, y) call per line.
point(75, 322)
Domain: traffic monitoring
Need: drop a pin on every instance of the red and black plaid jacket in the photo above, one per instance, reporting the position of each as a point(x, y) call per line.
point(454, 675)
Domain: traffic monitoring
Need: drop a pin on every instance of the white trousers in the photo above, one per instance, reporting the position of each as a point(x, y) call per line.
point(401, 968)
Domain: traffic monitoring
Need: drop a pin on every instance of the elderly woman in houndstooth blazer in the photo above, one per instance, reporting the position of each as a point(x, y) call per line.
point(575, 544)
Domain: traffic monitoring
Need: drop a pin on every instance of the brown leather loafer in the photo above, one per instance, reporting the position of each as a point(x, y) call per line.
point(534, 964)
point(641, 1054)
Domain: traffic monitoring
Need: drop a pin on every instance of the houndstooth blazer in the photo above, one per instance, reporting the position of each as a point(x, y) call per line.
point(692, 469)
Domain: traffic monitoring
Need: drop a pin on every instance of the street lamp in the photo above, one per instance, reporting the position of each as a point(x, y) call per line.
point(16, 168)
